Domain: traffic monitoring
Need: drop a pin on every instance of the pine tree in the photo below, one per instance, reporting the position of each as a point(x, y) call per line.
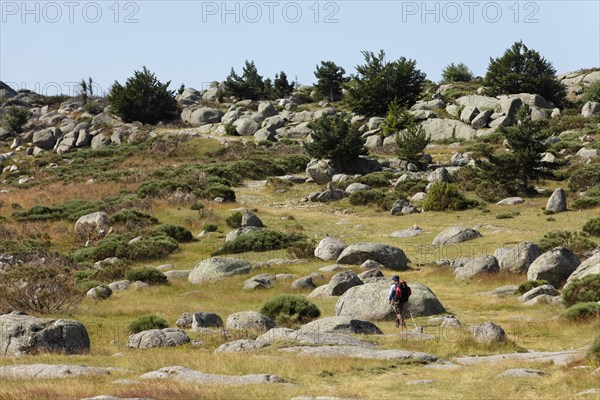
point(143, 98)
point(412, 143)
point(329, 80)
point(522, 70)
point(249, 86)
point(335, 138)
point(379, 82)
point(282, 86)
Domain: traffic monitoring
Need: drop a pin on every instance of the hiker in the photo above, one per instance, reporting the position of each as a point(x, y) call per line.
point(399, 294)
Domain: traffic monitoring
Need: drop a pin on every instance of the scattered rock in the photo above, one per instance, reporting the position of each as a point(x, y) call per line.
point(184, 321)
point(590, 266)
point(251, 219)
point(182, 374)
point(241, 345)
point(483, 264)
point(519, 258)
point(49, 371)
point(317, 338)
point(204, 320)
point(488, 332)
point(216, 268)
point(178, 274)
point(522, 373)
point(510, 201)
point(554, 266)
point(91, 225)
point(389, 256)
point(24, 334)
point(119, 286)
point(557, 201)
point(249, 321)
point(561, 358)
point(589, 392)
point(538, 291)
point(369, 302)
point(455, 234)
point(360, 352)
point(167, 337)
point(305, 282)
point(329, 248)
point(345, 325)
point(340, 283)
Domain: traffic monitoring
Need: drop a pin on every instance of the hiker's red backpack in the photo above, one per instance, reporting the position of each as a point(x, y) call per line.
point(403, 291)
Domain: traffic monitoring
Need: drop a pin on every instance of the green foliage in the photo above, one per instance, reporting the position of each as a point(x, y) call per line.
point(592, 227)
point(234, 221)
point(379, 82)
point(456, 73)
point(412, 143)
point(143, 98)
point(446, 196)
point(264, 240)
point(210, 227)
point(330, 78)
point(507, 215)
point(593, 353)
point(71, 210)
point(591, 198)
point(177, 232)
point(303, 249)
point(364, 197)
point(149, 275)
point(583, 311)
point(584, 177)
point(44, 283)
point(577, 242)
point(281, 86)
point(102, 292)
point(15, 117)
point(376, 179)
point(110, 272)
point(592, 92)
point(335, 138)
point(521, 70)
point(133, 219)
point(149, 247)
point(147, 322)
point(586, 289)
point(248, 86)
point(527, 286)
point(410, 187)
point(290, 311)
point(397, 119)
point(523, 163)
point(217, 190)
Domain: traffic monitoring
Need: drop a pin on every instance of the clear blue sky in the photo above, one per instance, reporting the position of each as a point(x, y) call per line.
point(47, 46)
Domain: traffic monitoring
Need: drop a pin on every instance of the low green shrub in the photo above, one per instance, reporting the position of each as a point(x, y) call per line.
point(592, 227)
point(582, 311)
point(593, 353)
point(583, 290)
point(147, 322)
point(133, 219)
point(592, 92)
point(366, 197)
point(577, 242)
point(584, 176)
point(302, 249)
point(289, 310)
point(527, 286)
point(264, 240)
point(376, 179)
point(147, 248)
point(446, 196)
point(149, 275)
point(210, 227)
point(234, 221)
point(506, 215)
point(214, 190)
point(410, 187)
point(177, 232)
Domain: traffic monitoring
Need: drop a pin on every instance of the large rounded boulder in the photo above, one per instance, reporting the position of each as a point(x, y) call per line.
point(249, 321)
point(369, 302)
point(590, 266)
point(455, 234)
point(554, 266)
point(24, 334)
point(388, 256)
point(519, 258)
point(341, 325)
point(217, 268)
point(329, 248)
point(90, 225)
point(168, 337)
